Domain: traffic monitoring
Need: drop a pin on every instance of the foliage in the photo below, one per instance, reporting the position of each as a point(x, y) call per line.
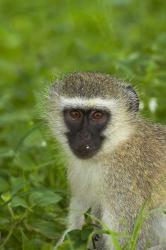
point(40, 40)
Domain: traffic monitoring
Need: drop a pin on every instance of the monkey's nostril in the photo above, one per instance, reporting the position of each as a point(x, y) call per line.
point(85, 136)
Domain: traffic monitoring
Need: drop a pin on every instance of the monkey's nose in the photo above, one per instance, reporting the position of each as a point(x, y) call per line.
point(85, 136)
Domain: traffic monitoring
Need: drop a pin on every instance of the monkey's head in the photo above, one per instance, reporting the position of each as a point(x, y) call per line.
point(91, 113)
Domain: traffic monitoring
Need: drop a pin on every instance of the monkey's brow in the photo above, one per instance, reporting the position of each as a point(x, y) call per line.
point(87, 109)
point(97, 103)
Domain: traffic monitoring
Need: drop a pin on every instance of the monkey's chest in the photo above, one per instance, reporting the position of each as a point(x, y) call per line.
point(86, 183)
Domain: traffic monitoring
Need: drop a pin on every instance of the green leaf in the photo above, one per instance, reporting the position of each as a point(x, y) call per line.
point(18, 202)
point(26, 243)
point(17, 183)
point(6, 153)
point(44, 198)
point(85, 232)
point(4, 222)
point(46, 228)
point(76, 237)
point(4, 186)
point(6, 196)
point(47, 246)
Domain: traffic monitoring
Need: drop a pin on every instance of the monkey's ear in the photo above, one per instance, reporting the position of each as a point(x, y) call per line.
point(133, 98)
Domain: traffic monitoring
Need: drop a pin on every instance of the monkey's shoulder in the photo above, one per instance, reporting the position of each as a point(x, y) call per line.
point(148, 139)
point(144, 152)
point(149, 129)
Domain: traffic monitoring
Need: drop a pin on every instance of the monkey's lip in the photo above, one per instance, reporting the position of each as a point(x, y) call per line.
point(85, 151)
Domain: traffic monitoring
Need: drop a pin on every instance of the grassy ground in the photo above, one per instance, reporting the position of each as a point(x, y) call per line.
point(40, 40)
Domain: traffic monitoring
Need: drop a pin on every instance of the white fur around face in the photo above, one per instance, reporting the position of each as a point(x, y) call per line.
point(90, 103)
point(86, 179)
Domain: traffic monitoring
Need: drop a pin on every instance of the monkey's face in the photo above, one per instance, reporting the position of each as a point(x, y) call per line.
point(85, 130)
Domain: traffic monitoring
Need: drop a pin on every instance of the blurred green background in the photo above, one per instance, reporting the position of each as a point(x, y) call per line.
point(40, 40)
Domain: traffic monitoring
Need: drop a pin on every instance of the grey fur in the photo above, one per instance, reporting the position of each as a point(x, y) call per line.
point(130, 173)
point(92, 85)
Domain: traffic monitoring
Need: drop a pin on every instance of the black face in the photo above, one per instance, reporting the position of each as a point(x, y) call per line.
point(85, 130)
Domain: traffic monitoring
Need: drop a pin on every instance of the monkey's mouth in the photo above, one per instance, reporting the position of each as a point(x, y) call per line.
point(85, 151)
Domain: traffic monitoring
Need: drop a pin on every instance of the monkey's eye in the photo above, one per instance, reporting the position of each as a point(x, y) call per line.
point(97, 115)
point(75, 114)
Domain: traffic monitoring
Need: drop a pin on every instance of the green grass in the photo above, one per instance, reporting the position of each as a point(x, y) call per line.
point(40, 40)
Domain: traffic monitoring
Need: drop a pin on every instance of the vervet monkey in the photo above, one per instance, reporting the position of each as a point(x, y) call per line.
point(116, 159)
